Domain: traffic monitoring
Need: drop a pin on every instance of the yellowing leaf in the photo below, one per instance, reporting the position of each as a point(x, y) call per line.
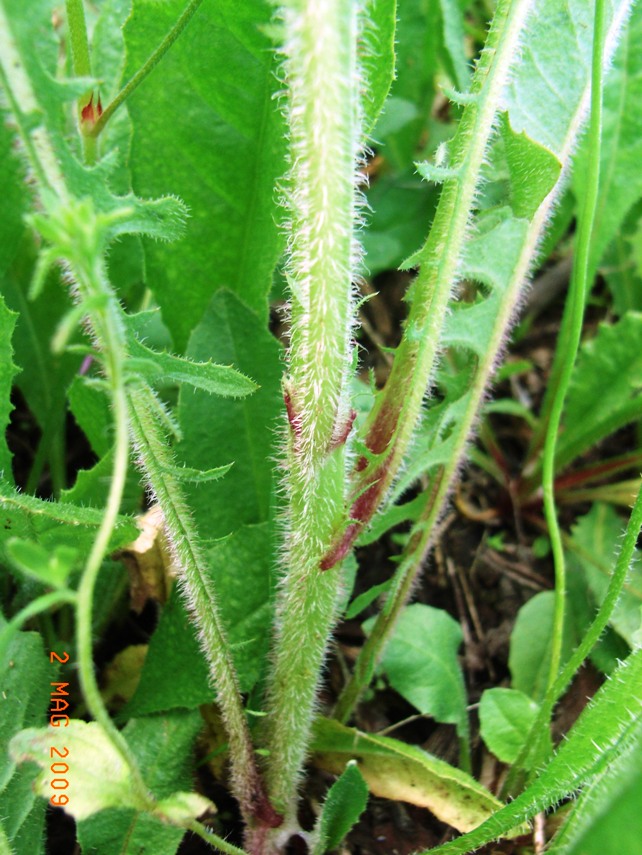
point(98, 777)
point(122, 675)
point(394, 770)
point(148, 562)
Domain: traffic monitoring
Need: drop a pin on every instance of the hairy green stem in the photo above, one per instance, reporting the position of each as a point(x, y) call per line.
point(403, 585)
point(424, 531)
point(320, 51)
point(78, 38)
point(197, 589)
point(577, 300)
point(214, 840)
point(431, 293)
point(150, 64)
point(393, 419)
point(92, 279)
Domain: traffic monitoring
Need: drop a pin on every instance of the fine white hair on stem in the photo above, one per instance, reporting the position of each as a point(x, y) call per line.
point(322, 199)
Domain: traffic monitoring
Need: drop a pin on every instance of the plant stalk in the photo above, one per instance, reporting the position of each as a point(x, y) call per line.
point(424, 531)
point(321, 70)
point(91, 279)
point(81, 60)
point(198, 592)
point(143, 72)
point(35, 607)
point(392, 422)
point(577, 301)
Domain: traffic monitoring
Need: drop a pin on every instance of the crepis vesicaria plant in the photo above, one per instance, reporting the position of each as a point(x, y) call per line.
point(337, 470)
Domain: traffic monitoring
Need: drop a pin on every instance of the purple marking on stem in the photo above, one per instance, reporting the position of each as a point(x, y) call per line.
point(265, 813)
point(339, 551)
point(363, 509)
point(342, 438)
point(85, 365)
point(293, 417)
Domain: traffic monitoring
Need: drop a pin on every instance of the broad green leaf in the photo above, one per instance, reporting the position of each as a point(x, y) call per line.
point(608, 370)
point(471, 324)
point(25, 697)
point(216, 432)
point(434, 442)
point(218, 146)
point(421, 664)
point(550, 79)
point(175, 674)
point(30, 59)
point(7, 372)
point(53, 524)
point(401, 207)
point(163, 746)
point(607, 815)
point(51, 567)
point(593, 744)
point(101, 780)
point(621, 144)
point(622, 263)
point(506, 716)
point(92, 486)
point(35, 41)
point(530, 646)
point(108, 47)
point(344, 804)
point(30, 838)
point(417, 36)
point(125, 831)
point(44, 375)
point(241, 503)
point(595, 537)
point(378, 57)
point(402, 772)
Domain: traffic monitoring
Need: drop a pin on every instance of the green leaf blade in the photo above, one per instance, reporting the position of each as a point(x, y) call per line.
point(506, 716)
point(421, 663)
point(344, 804)
point(608, 370)
point(218, 147)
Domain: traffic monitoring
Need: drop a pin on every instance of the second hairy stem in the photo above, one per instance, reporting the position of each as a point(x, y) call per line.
point(392, 421)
